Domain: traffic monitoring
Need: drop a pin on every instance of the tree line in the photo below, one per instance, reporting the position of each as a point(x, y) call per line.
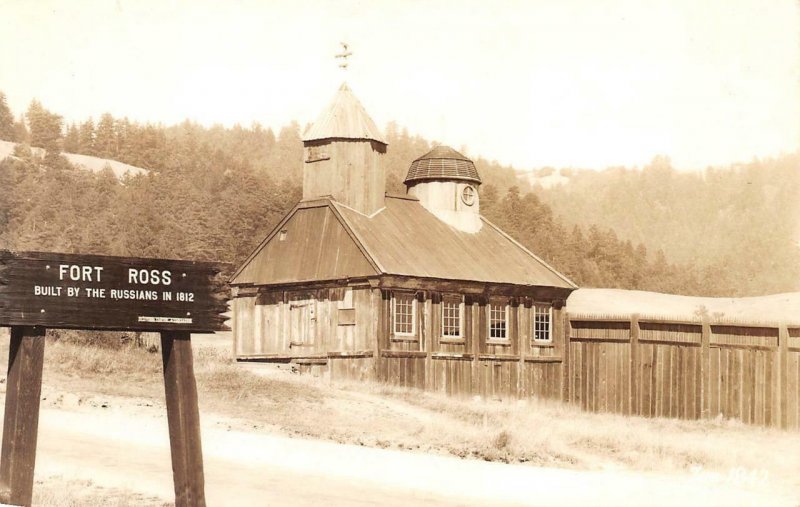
point(213, 193)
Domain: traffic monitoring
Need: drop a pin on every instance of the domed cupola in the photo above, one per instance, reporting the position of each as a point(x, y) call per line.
point(446, 184)
point(442, 163)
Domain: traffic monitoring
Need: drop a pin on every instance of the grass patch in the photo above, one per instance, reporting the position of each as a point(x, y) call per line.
point(219, 375)
point(59, 492)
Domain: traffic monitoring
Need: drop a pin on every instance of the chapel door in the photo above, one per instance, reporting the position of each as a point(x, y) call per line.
point(302, 324)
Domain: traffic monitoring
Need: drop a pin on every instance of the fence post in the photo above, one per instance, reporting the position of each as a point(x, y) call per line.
point(21, 420)
point(705, 369)
point(566, 359)
point(183, 418)
point(783, 365)
point(523, 343)
point(636, 367)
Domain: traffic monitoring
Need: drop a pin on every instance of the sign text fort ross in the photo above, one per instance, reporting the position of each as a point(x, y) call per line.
point(115, 293)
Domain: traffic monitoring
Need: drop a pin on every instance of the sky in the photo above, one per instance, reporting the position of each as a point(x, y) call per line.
point(575, 83)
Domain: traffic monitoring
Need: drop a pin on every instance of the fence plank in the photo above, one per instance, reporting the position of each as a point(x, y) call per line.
point(705, 371)
point(566, 366)
point(663, 353)
point(697, 395)
point(737, 381)
point(576, 358)
point(595, 377)
point(731, 375)
point(670, 373)
point(624, 379)
point(724, 376)
point(770, 400)
point(585, 381)
point(635, 365)
point(645, 367)
point(750, 385)
point(602, 369)
point(674, 371)
point(648, 356)
point(691, 383)
point(783, 376)
point(683, 384)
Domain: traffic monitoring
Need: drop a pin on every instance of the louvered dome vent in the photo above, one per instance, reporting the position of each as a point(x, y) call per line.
point(442, 163)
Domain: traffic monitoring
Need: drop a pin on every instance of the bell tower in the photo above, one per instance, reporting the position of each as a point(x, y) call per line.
point(343, 155)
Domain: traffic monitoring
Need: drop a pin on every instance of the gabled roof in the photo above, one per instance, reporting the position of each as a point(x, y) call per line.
point(401, 239)
point(442, 163)
point(406, 239)
point(344, 118)
point(309, 244)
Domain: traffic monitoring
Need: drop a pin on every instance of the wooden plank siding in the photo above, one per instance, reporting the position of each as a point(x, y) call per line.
point(305, 323)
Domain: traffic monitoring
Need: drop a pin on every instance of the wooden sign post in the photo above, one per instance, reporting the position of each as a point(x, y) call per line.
point(47, 290)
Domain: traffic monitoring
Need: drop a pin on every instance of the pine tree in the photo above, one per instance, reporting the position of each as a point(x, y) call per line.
point(86, 138)
point(6, 120)
point(105, 142)
point(489, 198)
point(287, 159)
point(122, 129)
point(21, 134)
point(72, 140)
point(269, 140)
point(45, 128)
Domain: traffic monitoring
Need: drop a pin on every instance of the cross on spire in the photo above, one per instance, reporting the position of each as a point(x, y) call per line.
point(343, 55)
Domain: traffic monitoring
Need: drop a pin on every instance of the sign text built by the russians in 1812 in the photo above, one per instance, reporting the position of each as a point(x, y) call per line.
point(102, 292)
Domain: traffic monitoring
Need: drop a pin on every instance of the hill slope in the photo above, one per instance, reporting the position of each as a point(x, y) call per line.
point(741, 223)
point(86, 162)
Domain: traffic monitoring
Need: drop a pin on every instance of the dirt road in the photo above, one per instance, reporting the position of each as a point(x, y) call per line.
point(127, 447)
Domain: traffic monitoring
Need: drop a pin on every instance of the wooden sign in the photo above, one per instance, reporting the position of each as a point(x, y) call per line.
point(110, 293)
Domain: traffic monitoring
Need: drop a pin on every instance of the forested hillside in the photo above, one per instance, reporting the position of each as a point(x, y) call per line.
point(214, 193)
point(738, 226)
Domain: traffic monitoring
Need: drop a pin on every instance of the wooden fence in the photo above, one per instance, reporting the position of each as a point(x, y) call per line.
point(685, 369)
point(625, 364)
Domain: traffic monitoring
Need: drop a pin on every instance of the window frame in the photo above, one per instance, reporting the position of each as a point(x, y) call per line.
point(449, 299)
point(535, 308)
point(413, 298)
point(506, 306)
point(468, 200)
point(316, 153)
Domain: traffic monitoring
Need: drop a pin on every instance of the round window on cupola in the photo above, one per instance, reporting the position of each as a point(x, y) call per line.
point(468, 195)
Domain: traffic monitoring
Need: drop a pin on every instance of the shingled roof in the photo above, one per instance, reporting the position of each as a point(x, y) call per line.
point(402, 239)
point(344, 118)
point(442, 163)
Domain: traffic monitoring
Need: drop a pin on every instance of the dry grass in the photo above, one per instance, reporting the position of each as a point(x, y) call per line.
point(59, 492)
point(550, 433)
point(117, 371)
point(373, 414)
